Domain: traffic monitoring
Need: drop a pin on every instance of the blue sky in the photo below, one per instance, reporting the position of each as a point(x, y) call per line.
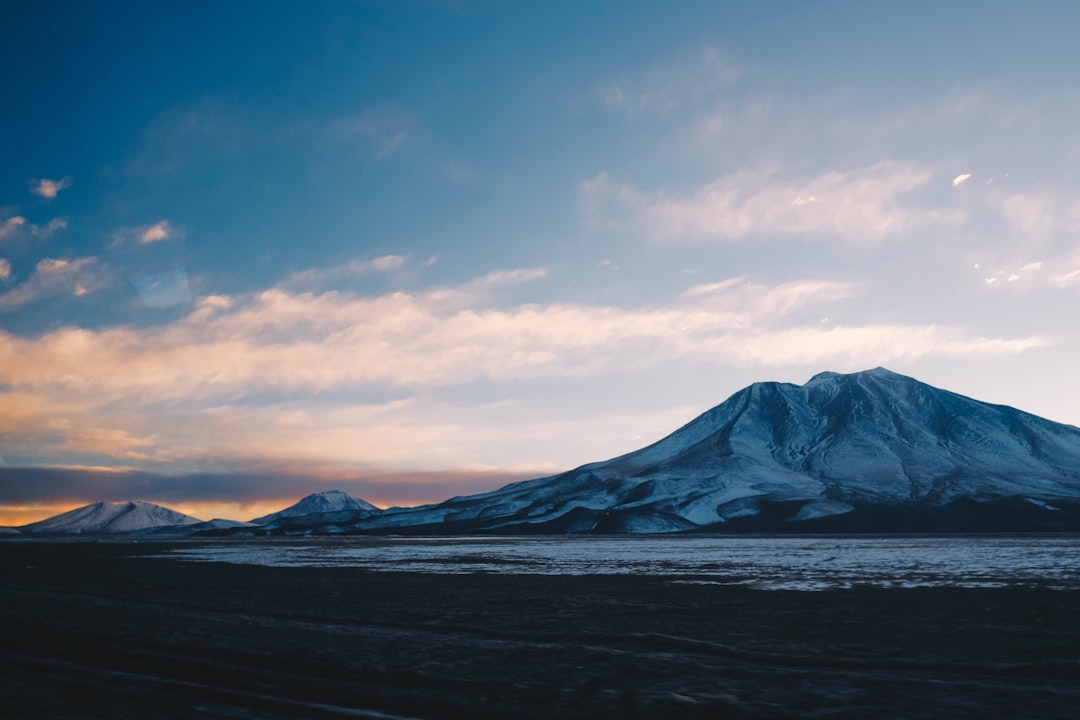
point(420, 249)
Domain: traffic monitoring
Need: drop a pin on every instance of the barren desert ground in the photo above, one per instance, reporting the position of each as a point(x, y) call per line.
point(104, 630)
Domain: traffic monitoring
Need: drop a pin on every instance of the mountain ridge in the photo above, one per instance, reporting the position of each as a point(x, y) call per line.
point(839, 444)
point(111, 518)
point(857, 452)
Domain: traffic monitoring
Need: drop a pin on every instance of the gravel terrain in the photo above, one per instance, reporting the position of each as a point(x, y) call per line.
point(104, 630)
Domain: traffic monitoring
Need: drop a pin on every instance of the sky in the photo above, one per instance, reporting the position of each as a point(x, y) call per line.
point(251, 250)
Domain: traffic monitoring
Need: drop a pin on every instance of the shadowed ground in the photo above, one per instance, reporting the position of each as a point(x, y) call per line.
point(96, 630)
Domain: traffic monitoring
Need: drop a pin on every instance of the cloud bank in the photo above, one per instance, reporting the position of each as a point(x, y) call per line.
point(197, 388)
point(864, 205)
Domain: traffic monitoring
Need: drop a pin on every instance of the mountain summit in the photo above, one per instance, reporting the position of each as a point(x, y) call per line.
point(871, 451)
point(107, 518)
point(867, 451)
point(318, 505)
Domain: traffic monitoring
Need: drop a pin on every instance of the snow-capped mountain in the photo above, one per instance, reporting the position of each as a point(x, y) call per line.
point(318, 508)
point(866, 451)
point(109, 518)
point(870, 452)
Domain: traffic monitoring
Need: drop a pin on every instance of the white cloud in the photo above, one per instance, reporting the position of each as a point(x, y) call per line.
point(1068, 271)
point(505, 278)
point(857, 346)
point(1062, 272)
point(1039, 216)
point(352, 268)
point(55, 276)
point(158, 231)
point(315, 342)
point(47, 230)
point(1023, 277)
point(863, 205)
point(11, 226)
point(1072, 277)
point(5, 268)
point(386, 263)
point(961, 179)
point(142, 235)
point(220, 360)
point(49, 188)
point(749, 304)
point(55, 265)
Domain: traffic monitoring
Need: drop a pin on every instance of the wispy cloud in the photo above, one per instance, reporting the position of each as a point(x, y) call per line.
point(5, 269)
point(1067, 271)
point(54, 276)
point(864, 205)
point(110, 385)
point(47, 230)
point(349, 269)
point(49, 188)
point(177, 139)
point(11, 225)
point(507, 278)
point(17, 223)
point(315, 342)
point(678, 83)
point(116, 443)
point(961, 179)
point(385, 127)
point(1038, 216)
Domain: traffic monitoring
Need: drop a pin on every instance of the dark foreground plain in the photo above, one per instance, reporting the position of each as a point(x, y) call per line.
point(103, 630)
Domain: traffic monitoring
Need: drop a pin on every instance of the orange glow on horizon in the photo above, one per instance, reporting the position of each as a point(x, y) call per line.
point(17, 515)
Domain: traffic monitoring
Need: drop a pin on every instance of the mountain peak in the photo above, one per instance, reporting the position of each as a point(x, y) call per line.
point(325, 501)
point(878, 373)
point(864, 450)
point(108, 517)
point(329, 495)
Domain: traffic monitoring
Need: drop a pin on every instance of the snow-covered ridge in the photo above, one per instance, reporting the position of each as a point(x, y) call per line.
point(875, 446)
point(146, 518)
point(328, 501)
point(869, 451)
point(106, 517)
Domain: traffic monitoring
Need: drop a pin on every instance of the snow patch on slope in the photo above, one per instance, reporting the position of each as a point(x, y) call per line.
point(328, 501)
point(106, 517)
